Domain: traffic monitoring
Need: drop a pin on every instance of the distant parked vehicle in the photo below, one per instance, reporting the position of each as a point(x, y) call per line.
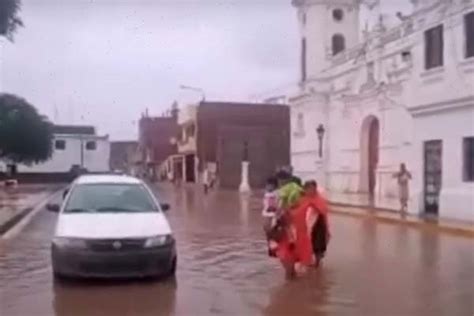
point(112, 226)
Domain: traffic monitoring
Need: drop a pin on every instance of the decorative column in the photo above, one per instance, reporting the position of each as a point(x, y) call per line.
point(244, 182)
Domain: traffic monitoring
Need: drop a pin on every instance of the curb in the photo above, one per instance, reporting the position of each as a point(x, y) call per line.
point(411, 221)
point(15, 224)
point(364, 206)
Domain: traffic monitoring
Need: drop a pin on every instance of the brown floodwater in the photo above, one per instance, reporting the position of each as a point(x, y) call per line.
point(371, 268)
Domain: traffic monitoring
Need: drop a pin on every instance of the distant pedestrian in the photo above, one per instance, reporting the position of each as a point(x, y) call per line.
point(212, 179)
point(206, 180)
point(403, 176)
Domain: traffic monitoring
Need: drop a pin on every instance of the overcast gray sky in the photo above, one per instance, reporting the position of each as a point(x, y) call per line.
point(102, 62)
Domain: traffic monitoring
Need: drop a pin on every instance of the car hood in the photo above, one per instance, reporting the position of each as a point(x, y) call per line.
point(112, 225)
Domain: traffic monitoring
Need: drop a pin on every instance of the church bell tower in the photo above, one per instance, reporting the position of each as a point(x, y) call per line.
point(327, 28)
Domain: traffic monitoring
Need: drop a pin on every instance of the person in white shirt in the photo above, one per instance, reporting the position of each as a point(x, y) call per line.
point(270, 212)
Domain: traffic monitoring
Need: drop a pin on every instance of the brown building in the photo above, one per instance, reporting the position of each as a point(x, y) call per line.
point(156, 141)
point(123, 156)
point(220, 135)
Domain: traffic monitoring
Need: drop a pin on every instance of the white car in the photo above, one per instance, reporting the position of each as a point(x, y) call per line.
point(112, 226)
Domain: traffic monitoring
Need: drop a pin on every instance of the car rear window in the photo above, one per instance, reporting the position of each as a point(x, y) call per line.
point(110, 198)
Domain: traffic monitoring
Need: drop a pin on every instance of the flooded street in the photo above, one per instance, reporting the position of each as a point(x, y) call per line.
point(371, 269)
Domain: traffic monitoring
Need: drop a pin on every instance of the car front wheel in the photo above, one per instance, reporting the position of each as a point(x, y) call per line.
point(58, 276)
point(172, 271)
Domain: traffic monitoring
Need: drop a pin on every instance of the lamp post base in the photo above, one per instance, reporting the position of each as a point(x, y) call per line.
point(244, 184)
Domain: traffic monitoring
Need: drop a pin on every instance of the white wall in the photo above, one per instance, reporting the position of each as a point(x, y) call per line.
point(188, 115)
point(62, 160)
point(455, 79)
point(304, 140)
point(400, 96)
point(456, 196)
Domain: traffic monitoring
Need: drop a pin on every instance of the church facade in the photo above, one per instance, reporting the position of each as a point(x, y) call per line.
point(395, 93)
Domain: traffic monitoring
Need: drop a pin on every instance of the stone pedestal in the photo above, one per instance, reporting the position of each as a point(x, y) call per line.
point(244, 182)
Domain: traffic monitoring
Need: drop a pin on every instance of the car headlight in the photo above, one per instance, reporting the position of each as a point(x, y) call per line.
point(158, 241)
point(63, 242)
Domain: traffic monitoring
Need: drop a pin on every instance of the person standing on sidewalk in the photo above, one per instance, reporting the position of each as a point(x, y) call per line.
point(403, 176)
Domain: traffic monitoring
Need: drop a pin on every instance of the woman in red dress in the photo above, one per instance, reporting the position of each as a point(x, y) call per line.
point(296, 246)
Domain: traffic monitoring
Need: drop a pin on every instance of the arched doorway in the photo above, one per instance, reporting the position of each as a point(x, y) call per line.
point(369, 151)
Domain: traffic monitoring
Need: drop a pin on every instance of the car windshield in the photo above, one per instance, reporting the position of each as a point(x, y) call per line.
point(110, 198)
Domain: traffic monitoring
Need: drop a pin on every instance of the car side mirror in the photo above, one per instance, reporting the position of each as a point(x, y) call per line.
point(53, 208)
point(165, 207)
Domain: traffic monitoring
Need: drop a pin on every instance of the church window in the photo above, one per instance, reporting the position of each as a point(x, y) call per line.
point(338, 44)
point(299, 128)
point(338, 15)
point(469, 32)
point(434, 47)
point(468, 155)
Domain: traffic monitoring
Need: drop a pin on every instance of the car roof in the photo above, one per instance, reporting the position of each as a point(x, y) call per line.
point(109, 178)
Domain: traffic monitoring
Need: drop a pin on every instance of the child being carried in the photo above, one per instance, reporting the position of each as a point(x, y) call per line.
point(270, 214)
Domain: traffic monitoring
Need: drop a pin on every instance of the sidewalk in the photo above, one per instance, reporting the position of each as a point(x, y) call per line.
point(363, 200)
point(387, 210)
point(16, 203)
point(359, 206)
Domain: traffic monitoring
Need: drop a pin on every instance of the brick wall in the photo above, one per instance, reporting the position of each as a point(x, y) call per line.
point(224, 128)
point(154, 136)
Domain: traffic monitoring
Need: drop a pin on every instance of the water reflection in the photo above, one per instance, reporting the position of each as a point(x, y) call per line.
point(306, 296)
point(114, 298)
point(370, 269)
point(244, 203)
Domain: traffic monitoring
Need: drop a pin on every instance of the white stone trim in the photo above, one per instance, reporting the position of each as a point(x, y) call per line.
point(449, 105)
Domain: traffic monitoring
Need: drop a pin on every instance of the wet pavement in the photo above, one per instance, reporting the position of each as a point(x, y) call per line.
point(15, 200)
point(372, 268)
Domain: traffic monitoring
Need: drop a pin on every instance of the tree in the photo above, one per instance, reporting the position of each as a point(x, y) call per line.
point(9, 19)
point(25, 135)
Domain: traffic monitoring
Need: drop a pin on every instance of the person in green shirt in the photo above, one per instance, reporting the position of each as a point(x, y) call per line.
point(290, 190)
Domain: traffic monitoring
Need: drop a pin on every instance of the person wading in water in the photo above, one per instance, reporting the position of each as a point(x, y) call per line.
point(270, 213)
point(320, 233)
point(283, 232)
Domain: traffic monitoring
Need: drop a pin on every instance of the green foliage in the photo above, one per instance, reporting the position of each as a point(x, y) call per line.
point(9, 19)
point(25, 135)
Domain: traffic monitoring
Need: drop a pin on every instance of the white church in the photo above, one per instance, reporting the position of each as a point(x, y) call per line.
point(400, 90)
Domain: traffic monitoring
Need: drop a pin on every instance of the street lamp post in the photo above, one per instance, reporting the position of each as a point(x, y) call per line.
point(199, 90)
point(320, 131)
